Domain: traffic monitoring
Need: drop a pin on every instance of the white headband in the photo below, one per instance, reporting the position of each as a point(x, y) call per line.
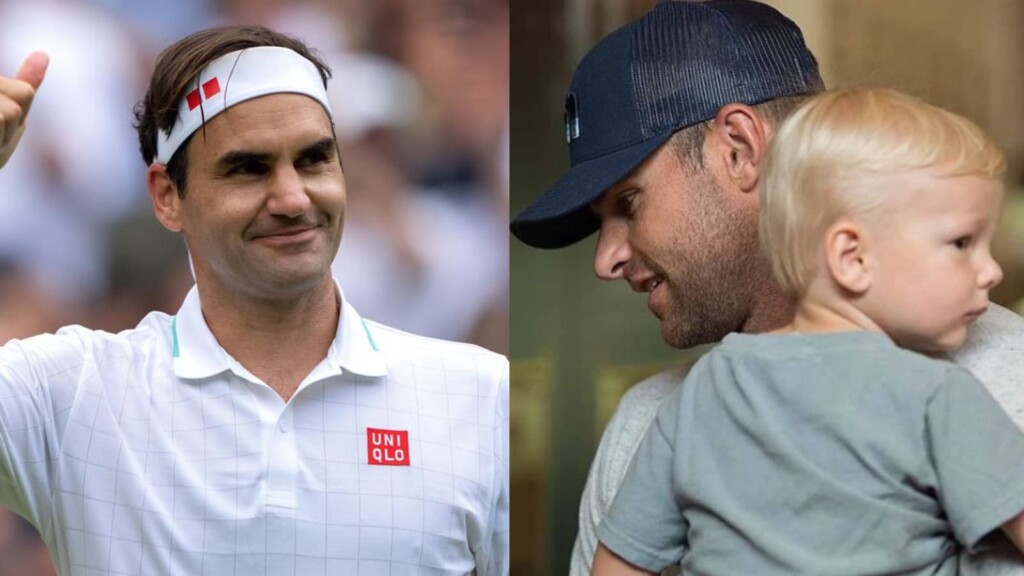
point(236, 77)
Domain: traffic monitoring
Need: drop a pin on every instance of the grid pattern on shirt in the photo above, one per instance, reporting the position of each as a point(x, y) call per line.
point(139, 472)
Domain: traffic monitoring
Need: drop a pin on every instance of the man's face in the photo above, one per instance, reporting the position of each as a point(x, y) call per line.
point(670, 231)
point(265, 205)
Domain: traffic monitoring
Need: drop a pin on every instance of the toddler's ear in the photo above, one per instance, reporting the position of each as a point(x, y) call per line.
point(845, 257)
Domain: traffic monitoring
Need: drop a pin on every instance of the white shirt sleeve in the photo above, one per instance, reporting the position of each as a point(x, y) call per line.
point(993, 353)
point(494, 560)
point(35, 400)
point(619, 442)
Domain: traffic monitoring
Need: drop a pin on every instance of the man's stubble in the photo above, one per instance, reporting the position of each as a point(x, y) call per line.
point(716, 268)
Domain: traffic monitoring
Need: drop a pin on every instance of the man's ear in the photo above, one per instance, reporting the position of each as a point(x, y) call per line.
point(740, 138)
point(845, 257)
point(164, 195)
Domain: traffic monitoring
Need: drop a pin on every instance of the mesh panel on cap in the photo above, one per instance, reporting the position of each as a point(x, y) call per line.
point(690, 59)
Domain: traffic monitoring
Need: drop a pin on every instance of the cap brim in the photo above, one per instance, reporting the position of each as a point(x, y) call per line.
point(561, 215)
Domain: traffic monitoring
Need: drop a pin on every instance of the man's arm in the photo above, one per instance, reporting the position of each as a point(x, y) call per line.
point(16, 95)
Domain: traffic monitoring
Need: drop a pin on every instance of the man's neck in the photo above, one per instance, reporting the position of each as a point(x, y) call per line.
point(279, 340)
point(773, 310)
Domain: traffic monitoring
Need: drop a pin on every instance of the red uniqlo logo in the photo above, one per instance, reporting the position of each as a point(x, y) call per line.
point(387, 447)
point(210, 88)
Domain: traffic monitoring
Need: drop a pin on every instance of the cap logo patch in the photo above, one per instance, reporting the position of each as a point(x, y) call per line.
point(572, 117)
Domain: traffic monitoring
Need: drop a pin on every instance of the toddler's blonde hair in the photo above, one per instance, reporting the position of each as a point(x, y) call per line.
point(822, 155)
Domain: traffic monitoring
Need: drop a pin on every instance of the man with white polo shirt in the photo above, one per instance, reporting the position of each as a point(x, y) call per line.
point(267, 427)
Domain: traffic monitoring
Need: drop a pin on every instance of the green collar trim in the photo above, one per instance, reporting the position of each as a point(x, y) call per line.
point(369, 336)
point(174, 332)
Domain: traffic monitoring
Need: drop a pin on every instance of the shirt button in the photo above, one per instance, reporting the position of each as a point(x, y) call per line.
point(283, 427)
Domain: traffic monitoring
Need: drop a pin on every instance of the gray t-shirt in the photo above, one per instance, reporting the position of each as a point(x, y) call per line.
point(819, 454)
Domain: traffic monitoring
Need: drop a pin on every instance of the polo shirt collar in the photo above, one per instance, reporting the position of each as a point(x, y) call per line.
point(354, 347)
point(197, 354)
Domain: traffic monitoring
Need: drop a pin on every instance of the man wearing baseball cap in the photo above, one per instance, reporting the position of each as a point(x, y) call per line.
point(667, 121)
point(266, 428)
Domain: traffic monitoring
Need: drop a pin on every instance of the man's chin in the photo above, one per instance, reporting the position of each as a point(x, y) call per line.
point(683, 334)
point(677, 335)
point(290, 280)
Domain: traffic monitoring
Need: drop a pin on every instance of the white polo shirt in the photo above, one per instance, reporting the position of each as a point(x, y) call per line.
point(152, 451)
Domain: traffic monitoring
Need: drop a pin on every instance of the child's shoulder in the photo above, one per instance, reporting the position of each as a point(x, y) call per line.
point(793, 344)
point(855, 352)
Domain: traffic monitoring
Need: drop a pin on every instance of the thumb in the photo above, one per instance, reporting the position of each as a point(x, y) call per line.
point(33, 69)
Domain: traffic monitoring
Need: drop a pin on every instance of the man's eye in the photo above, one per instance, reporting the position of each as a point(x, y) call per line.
point(627, 203)
point(247, 168)
point(312, 159)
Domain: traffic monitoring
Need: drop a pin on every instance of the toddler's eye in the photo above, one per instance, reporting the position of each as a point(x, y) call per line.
point(962, 242)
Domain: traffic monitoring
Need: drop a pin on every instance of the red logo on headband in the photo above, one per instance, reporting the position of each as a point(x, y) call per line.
point(210, 88)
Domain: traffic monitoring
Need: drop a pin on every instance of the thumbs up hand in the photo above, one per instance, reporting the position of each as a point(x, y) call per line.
point(16, 96)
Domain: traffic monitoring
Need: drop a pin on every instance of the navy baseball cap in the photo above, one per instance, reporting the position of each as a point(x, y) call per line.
point(674, 67)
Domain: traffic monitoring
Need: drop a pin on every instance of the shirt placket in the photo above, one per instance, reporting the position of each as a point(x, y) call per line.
point(282, 462)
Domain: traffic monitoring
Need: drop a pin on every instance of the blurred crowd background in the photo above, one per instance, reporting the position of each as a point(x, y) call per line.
point(420, 98)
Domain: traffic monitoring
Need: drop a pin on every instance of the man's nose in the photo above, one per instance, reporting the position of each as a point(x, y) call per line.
point(612, 253)
point(288, 195)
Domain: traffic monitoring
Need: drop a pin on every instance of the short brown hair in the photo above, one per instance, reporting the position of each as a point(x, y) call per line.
point(688, 143)
point(176, 70)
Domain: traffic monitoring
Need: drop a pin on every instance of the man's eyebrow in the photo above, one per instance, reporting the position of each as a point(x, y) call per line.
point(325, 146)
point(236, 157)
